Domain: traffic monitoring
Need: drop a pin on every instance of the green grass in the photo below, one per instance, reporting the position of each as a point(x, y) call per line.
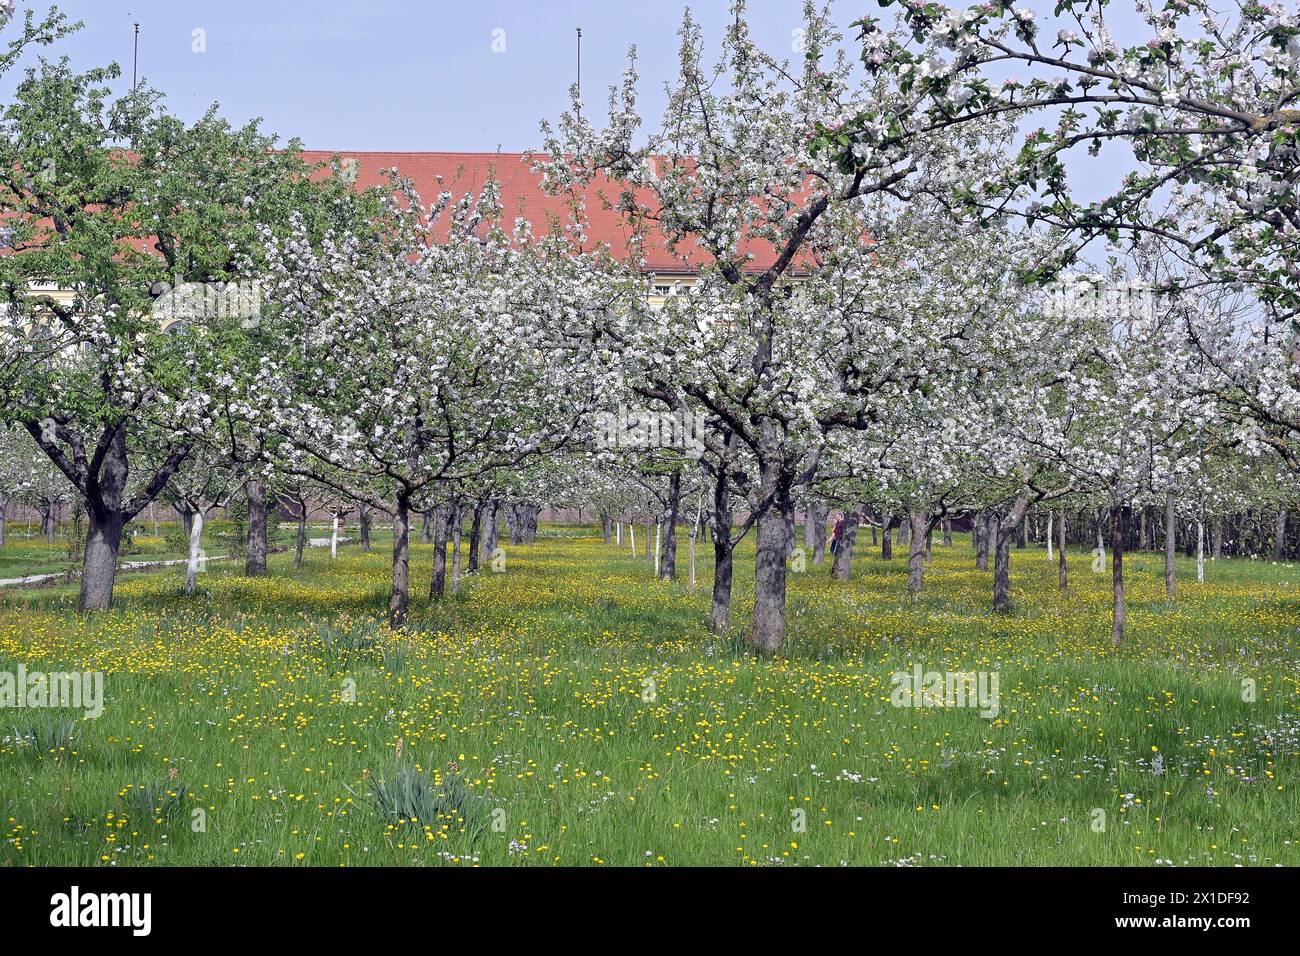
point(573, 710)
point(26, 554)
point(21, 557)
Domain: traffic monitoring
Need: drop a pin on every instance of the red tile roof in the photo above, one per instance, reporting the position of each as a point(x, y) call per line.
point(522, 195)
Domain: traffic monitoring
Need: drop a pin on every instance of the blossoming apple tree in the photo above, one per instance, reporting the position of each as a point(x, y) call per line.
point(429, 353)
point(121, 207)
point(765, 345)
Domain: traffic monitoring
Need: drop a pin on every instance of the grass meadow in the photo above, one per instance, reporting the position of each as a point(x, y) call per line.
point(575, 711)
point(25, 555)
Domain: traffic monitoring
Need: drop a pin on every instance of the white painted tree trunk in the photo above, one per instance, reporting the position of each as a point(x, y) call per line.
point(619, 531)
point(631, 533)
point(658, 534)
point(1200, 551)
point(196, 533)
point(334, 539)
point(1051, 515)
point(692, 551)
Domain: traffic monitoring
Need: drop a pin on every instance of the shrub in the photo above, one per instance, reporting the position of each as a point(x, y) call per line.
point(159, 802)
point(54, 735)
point(412, 798)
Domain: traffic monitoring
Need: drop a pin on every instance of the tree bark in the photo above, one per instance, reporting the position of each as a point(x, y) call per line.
point(1216, 550)
point(192, 570)
point(438, 580)
point(768, 628)
point(920, 521)
point(255, 559)
point(99, 569)
point(104, 538)
point(399, 599)
point(886, 538)
point(363, 522)
point(819, 534)
point(475, 537)
point(1171, 541)
point(492, 528)
point(1002, 531)
point(668, 561)
point(455, 546)
point(980, 532)
point(947, 532)
point(1118, 611)
point(1279, 535)
point(1063, 576)
point(301, 543)
point(841, 567)
point(723, 566)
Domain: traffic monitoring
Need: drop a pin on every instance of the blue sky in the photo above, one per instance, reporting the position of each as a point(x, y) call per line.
point(400, 74)
point(411, 75)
